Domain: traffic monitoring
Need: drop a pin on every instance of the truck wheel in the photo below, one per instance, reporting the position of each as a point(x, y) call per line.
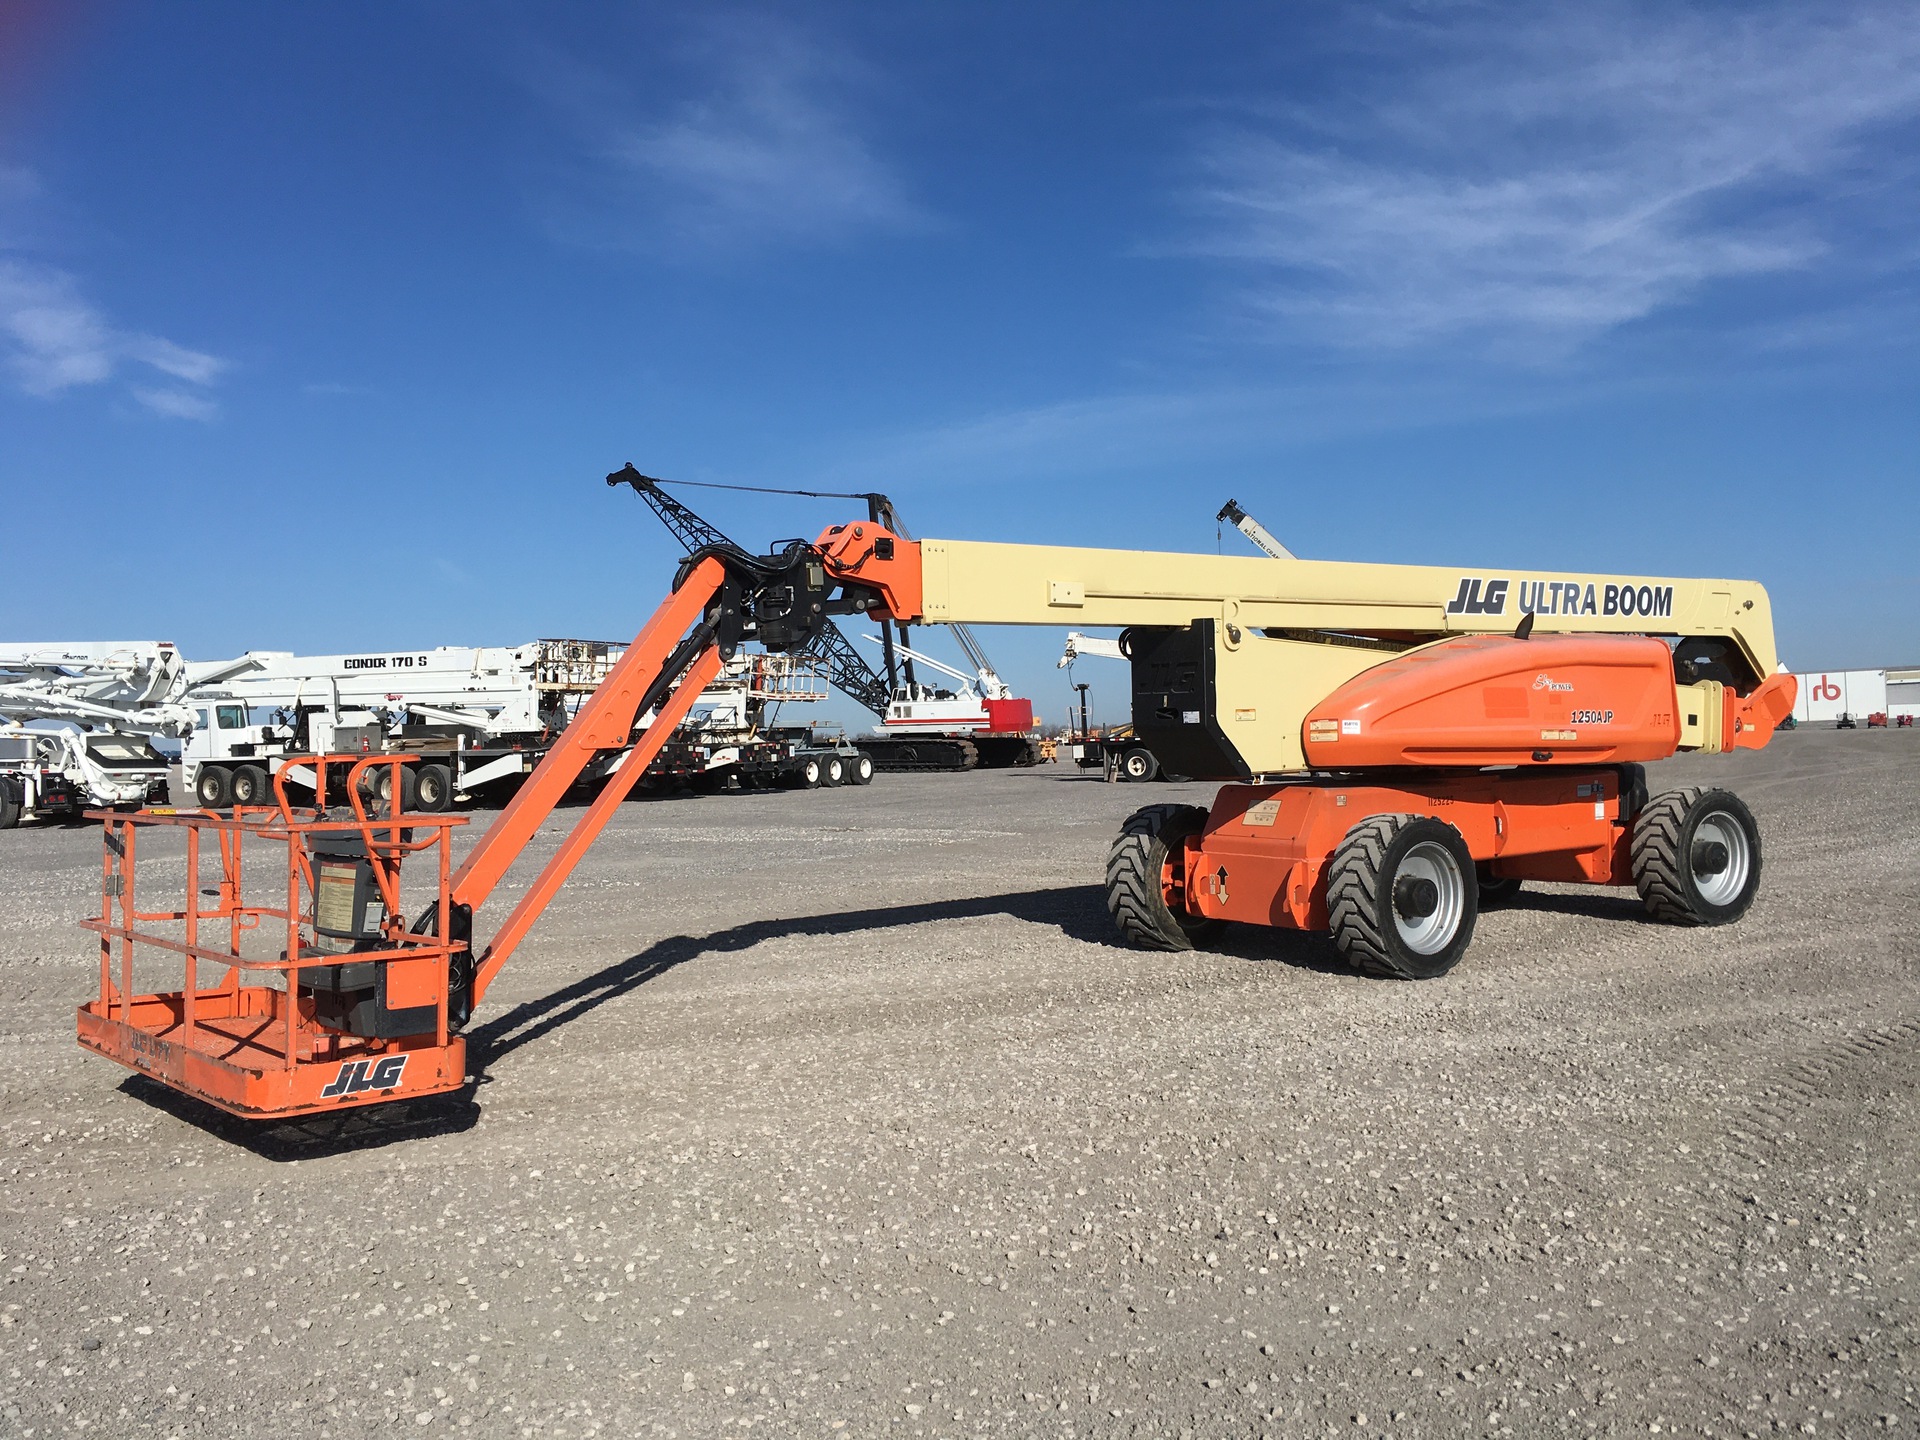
point(213, 787)
point(832, 770)
point(1403, 897)
point(1696, 857)
point(251, 786)
point(432, 789)
point(9, 805)
point(382, 781)
point(1146, 879)
point(1138, 766)
point(807, 773)
point(859, 769)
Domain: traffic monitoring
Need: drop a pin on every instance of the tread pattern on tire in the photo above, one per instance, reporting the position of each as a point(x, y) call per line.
point(1133, 877)
point(1353, 896)
point(1658, 872)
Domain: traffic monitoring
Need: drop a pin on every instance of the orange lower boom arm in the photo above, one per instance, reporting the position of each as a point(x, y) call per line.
point(662, 652)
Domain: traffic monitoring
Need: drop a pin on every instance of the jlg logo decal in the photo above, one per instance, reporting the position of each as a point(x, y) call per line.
point(1479, 596)
point(358, 1075)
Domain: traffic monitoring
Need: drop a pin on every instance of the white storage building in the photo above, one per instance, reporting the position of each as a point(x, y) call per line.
point(1827, 694)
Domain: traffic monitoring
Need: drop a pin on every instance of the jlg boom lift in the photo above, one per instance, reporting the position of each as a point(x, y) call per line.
point(1397, 742)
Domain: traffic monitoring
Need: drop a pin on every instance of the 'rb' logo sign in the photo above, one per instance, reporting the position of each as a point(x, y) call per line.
point(1825, 689)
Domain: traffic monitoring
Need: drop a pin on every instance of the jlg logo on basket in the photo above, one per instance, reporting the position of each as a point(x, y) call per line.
point(358, 1075)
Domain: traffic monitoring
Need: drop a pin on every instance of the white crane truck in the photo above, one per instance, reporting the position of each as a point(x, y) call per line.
point(483, 717)
point(478, 715)
point(77, 721)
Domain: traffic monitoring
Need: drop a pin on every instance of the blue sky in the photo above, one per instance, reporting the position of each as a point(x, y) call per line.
point(320, 325)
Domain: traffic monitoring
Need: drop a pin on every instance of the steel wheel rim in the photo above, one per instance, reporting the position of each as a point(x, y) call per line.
point(1430, 934)
point(1724, 888)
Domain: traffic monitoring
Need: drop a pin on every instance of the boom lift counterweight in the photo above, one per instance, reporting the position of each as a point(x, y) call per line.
point(1396, 741)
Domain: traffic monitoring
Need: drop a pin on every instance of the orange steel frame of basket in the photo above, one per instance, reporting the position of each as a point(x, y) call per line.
point(249, 1042)
point(259, 1050)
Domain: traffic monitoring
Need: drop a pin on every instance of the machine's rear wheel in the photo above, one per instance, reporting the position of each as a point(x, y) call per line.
point(833, 770)
point(432, 789)
point(1696, 857)
point(213, 787)
point(251, 786)
point(1138, 765)
point(1495, 891)
point(9, 805)
point(860, 769)
point(1403, 897)
point(1146, 879)
point(807, 773)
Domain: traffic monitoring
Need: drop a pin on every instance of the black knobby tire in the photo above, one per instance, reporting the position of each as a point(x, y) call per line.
point(1136, 865)
point(9, 804)
point(432, 787)
point(860, 769)
point(251, 786)
point(213, 787)
point(1138, 766)
point(409, 790)
point(1696, 857)
point(833, 770)
point(1377, 924)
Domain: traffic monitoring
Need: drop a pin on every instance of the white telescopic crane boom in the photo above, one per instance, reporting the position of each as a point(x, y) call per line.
point(990, 685)
point(1078, 645)
point(1254, 531)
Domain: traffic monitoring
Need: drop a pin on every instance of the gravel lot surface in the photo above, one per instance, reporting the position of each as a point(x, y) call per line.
point(841, 1114)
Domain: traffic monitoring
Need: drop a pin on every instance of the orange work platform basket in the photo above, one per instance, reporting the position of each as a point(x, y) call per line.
point(321, 998)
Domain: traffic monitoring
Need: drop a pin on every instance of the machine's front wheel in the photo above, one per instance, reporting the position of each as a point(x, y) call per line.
point(1403, 896)
point(1146, 878)
point(1696, 857)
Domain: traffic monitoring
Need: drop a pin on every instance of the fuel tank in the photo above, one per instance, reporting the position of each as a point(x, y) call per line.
point(1497, 700)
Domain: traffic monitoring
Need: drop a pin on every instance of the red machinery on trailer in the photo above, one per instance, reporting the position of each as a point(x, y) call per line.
point(1398, 751)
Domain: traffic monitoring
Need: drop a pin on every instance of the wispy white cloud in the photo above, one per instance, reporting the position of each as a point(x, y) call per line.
point(1192, 429)
point(1535, 178)
point(176, 404)
point(53, 340)
point(766, 147)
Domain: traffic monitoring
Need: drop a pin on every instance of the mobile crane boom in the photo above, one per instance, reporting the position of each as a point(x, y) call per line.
point(1401, 743)
point(1254, 531)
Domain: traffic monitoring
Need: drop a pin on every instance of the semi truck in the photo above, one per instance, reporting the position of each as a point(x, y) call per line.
point(730, 741)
